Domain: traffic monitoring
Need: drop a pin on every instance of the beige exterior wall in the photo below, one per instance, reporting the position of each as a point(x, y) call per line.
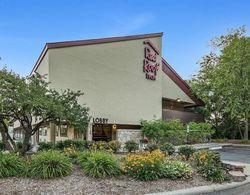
point(112, 79)
point(172, 91)
point(43, 68)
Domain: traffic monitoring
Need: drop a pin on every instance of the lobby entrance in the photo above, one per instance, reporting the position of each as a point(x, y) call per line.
point(102, 132)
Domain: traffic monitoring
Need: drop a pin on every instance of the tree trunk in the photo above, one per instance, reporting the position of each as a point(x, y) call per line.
point(9, 143)
point(246, 129)
point(26, 140)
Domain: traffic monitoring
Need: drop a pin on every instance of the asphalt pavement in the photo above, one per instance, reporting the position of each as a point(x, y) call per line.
point(235, 153)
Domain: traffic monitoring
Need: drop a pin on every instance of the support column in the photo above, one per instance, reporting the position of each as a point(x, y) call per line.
point(52, 132)
point(89, 133)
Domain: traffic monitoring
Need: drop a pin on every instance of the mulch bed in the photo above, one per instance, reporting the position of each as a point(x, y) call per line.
point(78, 183)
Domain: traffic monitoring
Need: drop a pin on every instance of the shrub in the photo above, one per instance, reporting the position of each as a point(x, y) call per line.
point(176, 169)
point(174, 132)
point(82, 157)
point(100, 165)
point(45, 146)
point(60, 145)
point(145, 166)
point(167, 147)
point(77, 144)
point(131, 146)
point(101, 145)
point(151, 147)
point(1, 146)
point(153, 130)
point(88, 144)
point(19, 146)
point(71, 153)
point(187, 151)
point(209, 166)
point(11, 165)
point(200, 132)
point(205, 156)
point(160, 131)
point(114, 145)
point(49, 164)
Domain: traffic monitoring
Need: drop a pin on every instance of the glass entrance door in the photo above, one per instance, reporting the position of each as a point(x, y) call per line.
point(102, 132)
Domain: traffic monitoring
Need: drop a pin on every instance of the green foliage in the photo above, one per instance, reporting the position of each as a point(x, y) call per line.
point(82, 157)
point(45, 146)
point(11, 165)
point(27, 98)
point(154, 130)
point(175, 132)
point(131, 146)
point(223, 84)
point(19, 146)
point(101, 145)
point(167, 147)
point(160, 131)
point(1, 146)
point(176, 169)
point(77, 144)
point(114, 145)
point(145, 166)
point(209, 166)
point(49, 164)
point(100, 165)
point(151, 147)
point(187, 151)
point(71, 153)
point(200, 132)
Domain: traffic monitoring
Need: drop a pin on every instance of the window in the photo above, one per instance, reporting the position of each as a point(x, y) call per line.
point(45, 132)
point(41, 131)
point(64, 131)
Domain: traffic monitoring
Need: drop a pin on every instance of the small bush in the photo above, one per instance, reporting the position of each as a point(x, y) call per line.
point(151, 147)
point(187, 151)
point(114, 145)
point(101, 145)
point(167, 147)
point(88, 144)
point(145, 166)
point(177, 169)
point(71, 153)
point(45, 146)
point(82, 157)
point(2, 147)
point(11, 165)
point(209, 166)
point(131, 146)
point(49, 164)
point(200, 132)
point(160, 131)
point(19, 146)
point(100, 165)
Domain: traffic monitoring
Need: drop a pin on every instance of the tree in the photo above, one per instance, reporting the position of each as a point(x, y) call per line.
point(30, 102)
point(223, 81)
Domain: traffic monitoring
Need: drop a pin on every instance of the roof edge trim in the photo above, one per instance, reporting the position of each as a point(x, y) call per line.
point(174, 76)
point(62, 44)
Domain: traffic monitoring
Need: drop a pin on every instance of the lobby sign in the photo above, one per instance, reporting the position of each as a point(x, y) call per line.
point(100, 120)
point(150, 64)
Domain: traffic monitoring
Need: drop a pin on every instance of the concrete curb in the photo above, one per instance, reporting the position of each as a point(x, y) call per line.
point(214, 188)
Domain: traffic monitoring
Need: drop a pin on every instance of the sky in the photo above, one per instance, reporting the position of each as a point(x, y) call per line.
point(188, 26)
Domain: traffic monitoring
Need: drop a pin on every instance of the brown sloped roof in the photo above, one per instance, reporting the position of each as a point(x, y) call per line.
point(174, 76)
point(90, 42)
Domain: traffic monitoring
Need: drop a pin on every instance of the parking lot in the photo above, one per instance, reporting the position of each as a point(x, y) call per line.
point(236, 153)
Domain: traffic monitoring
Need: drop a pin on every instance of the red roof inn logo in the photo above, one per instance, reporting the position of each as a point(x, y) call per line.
point(150, 64)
